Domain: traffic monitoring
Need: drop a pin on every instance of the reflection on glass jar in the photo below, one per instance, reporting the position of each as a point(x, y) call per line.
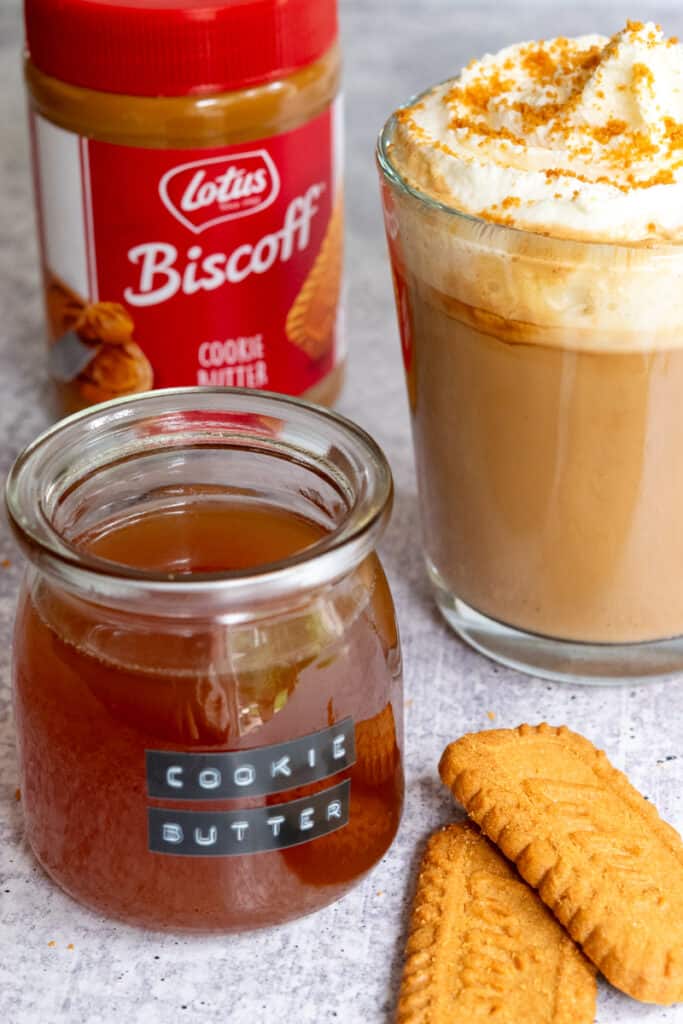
point(207, 667)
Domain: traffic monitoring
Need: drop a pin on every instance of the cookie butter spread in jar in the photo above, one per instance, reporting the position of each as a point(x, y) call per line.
point(187, 172)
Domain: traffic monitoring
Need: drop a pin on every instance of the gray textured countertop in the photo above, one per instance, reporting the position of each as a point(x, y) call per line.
point(344, 963)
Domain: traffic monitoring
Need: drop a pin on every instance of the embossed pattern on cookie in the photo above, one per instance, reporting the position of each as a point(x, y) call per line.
point(483, 947)
point(597, 852)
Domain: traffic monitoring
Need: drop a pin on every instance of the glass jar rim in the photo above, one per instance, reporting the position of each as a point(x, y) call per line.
point(339, 551)
point(394, 176)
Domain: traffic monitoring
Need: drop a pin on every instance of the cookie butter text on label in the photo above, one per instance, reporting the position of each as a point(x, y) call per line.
point(250, 830)
point(254, 772)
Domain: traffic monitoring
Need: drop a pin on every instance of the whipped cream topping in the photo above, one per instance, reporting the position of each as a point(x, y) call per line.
point(579, 138)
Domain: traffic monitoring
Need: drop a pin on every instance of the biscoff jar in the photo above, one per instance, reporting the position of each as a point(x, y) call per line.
point(187, 163)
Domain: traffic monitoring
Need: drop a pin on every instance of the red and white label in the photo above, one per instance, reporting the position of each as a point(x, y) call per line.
point(214, 252)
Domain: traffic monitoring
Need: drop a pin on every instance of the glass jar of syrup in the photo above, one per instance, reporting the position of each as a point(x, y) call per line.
point(207, 666)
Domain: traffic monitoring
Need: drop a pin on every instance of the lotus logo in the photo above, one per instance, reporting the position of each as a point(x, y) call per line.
point(208, 192)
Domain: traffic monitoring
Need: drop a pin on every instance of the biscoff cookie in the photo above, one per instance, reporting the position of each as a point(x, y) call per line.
point(310, 322)
point(483, 947)
point(598, 853)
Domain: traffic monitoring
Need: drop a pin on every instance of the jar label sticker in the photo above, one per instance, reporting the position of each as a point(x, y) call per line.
point(210, 266)
point(259, 771)
point(256, 830)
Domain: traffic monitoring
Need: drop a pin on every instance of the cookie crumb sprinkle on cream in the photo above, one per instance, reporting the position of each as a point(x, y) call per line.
point(604, 113)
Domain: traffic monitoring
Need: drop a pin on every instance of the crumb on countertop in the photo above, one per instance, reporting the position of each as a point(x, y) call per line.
point(491, 715)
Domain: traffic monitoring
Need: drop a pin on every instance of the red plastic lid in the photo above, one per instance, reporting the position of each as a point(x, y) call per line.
point(175, 47)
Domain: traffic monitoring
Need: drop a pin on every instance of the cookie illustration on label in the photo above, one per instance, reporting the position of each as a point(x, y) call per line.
point(118, 366)
point(482, 947)
point(311, 320)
